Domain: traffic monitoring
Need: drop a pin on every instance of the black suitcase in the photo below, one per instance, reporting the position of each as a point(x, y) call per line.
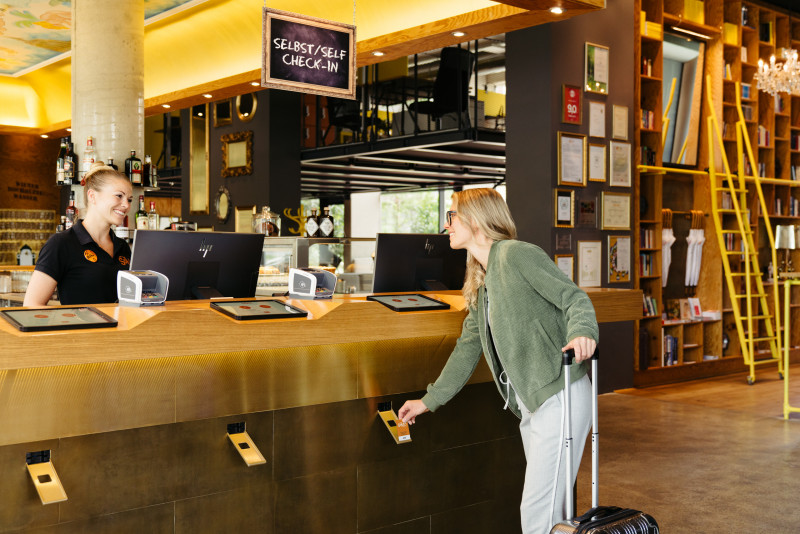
point(599, 519)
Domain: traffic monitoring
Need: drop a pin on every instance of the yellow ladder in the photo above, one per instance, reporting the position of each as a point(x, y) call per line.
point(748, 320)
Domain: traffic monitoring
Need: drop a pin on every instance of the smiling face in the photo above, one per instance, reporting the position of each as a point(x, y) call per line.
point(111, 201)
point(461, 234)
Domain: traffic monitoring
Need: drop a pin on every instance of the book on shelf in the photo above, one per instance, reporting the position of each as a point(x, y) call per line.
point(795, 172)
point(745, 90)
point(744, 54)
point(763, 136)
point(780, 105)
point(747, 111)
point(730, 34)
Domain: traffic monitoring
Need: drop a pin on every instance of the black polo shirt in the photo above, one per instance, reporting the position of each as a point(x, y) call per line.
point(85, 273)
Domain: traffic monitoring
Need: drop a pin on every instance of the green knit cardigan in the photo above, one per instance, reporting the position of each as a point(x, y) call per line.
point(535, 310)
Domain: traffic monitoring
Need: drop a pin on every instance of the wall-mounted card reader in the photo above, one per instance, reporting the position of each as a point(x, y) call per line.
point(244, 445)
point(44, 476)
point(397, 428)
point(141, 288)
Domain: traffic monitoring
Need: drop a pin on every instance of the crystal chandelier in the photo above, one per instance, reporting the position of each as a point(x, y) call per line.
point(774, 78)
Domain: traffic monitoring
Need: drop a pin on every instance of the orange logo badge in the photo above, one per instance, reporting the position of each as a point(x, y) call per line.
point(89, 255)
point(123, 260)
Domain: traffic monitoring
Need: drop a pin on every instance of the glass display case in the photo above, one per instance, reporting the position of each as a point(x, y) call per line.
point(350, 259)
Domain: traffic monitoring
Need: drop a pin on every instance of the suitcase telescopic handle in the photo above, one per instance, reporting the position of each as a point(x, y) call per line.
point(568, 357)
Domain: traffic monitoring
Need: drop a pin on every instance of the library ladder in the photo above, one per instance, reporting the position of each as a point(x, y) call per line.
point(757, 322)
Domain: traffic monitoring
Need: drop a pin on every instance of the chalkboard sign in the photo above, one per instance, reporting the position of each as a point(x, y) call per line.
point(308, 55)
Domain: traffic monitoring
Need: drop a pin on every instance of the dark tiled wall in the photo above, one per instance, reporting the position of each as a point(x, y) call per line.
point(331, 468)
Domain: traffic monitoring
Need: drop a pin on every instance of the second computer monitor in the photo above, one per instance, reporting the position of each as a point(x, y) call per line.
point(417, 262)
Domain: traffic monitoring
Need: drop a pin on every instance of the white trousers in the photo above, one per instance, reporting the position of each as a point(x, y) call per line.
point(544, 495)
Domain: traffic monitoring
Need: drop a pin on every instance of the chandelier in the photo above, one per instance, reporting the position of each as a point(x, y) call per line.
point(774, 78)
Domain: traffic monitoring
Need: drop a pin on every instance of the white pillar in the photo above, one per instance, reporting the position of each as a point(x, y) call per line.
point(108, 78)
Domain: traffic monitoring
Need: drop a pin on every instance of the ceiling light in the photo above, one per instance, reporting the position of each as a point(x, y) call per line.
point(165, 106)
point(255, 84)
point(377, 53)
point(774, 78)
point(69, 129)
point(556, 10)
point(459, 34)
point(45, 136)
point(207, 95)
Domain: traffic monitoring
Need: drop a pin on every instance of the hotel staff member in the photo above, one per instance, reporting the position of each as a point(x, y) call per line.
point(83, 261)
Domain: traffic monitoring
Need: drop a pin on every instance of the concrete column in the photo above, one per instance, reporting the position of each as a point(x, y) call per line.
point(108, 78)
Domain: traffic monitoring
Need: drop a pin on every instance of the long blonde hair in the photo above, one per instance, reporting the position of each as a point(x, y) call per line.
point(482, 209)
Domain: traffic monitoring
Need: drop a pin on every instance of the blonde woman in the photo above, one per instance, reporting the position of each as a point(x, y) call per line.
point(523, 312)
point(83, 261)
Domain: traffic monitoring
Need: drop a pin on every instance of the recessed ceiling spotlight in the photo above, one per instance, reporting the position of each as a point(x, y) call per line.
point(207, 95)
point(377, 53)
point(165, 106)
point(45, 136)
point(255, 84)
point(459, 34)
point(556, 10)
point(69, 129)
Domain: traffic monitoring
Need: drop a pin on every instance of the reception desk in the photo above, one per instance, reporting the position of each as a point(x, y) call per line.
point(136, 417)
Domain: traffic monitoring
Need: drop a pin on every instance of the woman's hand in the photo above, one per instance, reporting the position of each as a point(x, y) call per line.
point(410, 410)
point(583, 347)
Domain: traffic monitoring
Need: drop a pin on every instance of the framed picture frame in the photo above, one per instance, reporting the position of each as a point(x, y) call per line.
point(571, 159)
point(237, 154)
point(596, 70)
point(243, 218)
point(597, 119)
point(589, 263)
point(619, 164)
point(571, 108)
point(619, 259)
point(223, 113)
point(619, 122)
point(564, 208)
point(563, 241)
point(597, 162)
point(616, 208)
point(587, 212)
point(566, 264)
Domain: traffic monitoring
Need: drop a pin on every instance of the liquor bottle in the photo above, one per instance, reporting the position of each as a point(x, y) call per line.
point(326, 223)
point(133, 170)
point(152, 217)
point(146, 171)
point(141, 215)
point(312, 226)
point(70, 165)
point(63, 224)
point(71, 213)
point(112, 164)
point(88, 158)
point(153, 175)
point(62, 152)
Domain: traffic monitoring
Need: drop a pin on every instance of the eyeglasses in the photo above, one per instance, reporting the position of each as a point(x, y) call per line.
point(449, 216)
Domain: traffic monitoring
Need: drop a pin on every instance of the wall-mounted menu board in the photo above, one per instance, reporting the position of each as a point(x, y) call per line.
point(308, 55)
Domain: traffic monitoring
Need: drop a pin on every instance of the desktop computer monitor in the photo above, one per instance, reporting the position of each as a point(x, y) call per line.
point(200, 265)
point(417, 262)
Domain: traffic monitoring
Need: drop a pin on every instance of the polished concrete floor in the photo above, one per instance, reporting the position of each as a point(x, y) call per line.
point(714, 456)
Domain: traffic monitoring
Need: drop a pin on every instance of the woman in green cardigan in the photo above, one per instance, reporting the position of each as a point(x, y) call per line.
point(523, 312)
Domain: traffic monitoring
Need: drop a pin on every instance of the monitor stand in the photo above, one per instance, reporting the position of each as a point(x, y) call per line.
point(206, 293)
point(433, 285)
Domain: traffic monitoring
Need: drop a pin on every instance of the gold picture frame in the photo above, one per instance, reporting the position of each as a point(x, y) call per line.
point(566, 264)
point(619, 259)
point(564, 208)
point(616, 208)
point(572, 159)
point(237, 154)
point(243, 218)
point(223, 113)
point(596, 73)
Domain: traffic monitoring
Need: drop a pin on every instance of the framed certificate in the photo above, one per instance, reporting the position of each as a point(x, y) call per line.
point(589, 256)
point(619, 259)
point(597, 163)
point(620, 174)
point(619, 129)
point(248, 310)
point(406, 303)
point(616, 209)
point(571, 111)
point(564, 208)
point(597, 119)
point(566, 264)
point(47, 319)
point(596, 74)
point(571, 159)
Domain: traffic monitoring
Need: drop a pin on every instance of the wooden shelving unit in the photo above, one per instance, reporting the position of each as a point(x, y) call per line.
point(737, 39)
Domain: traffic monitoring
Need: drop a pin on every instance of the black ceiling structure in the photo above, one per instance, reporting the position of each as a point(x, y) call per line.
point(435, 160)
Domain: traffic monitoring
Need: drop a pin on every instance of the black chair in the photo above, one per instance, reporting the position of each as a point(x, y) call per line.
point(451, 87)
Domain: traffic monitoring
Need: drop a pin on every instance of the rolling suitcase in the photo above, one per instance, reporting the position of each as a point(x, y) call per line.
point(599, 519)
